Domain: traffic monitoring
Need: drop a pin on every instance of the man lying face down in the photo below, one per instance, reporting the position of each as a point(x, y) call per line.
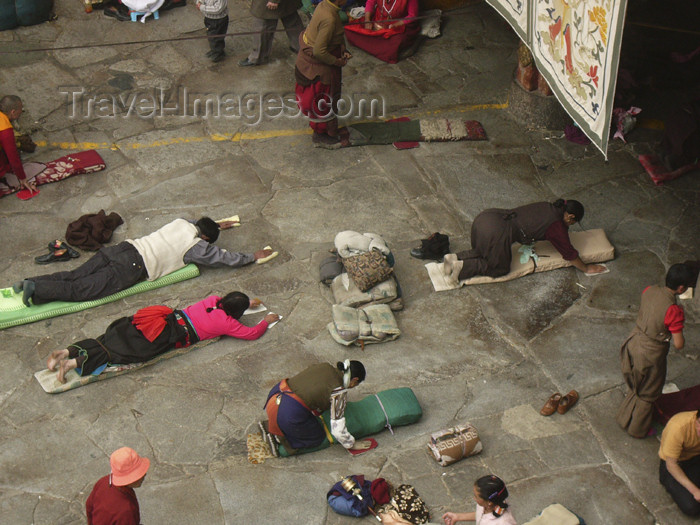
point(115, 268)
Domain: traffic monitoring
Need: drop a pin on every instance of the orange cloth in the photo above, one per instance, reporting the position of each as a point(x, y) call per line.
point(150, 321)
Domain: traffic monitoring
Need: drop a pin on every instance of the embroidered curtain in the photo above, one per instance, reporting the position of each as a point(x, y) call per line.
point(576, 46)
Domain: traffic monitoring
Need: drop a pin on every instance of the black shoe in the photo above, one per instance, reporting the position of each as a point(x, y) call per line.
point(27, 291)
point(211, 53)
point(115, 13)
point(418, 253)
point(52, 257)
point(60, 245)
point(247, 62)
point(217, 57)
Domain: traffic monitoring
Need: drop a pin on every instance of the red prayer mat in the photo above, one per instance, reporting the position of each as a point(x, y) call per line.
point(660, 173)
point(74, 164)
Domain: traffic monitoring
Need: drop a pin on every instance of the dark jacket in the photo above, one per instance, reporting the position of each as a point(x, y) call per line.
point(258, 8)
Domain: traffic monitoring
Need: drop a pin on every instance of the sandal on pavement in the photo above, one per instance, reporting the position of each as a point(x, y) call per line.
point(53, 257)
point(567, 402)
point(551, 405)
point(61, 245)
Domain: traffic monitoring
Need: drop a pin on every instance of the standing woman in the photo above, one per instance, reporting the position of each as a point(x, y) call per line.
point(494, 231)
point(156, 329)
point(490, 494)
point(294, 405)
point(319, 73)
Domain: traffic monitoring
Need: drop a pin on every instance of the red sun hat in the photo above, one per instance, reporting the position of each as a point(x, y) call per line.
point(127, 466)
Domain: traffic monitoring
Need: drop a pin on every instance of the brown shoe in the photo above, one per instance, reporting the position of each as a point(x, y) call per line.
point(567, 402)
point(551, 405)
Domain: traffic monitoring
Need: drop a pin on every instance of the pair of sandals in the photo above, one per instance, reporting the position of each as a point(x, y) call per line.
point(58, 251)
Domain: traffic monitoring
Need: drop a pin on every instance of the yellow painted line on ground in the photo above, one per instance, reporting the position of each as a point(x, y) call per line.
point(241, 137)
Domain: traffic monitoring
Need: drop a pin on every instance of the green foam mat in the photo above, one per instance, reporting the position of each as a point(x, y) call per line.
point(366, 417)
point(47, 378)
point(14, 313)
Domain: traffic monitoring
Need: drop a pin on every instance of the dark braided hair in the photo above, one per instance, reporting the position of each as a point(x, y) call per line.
point(233, 304)
point(492, 488)
point(573, 207)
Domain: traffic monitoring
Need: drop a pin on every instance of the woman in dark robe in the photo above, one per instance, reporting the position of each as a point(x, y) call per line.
point(494, 231)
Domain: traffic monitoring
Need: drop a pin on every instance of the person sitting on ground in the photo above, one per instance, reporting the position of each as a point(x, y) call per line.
point(294, 405)
point(390, 32)
point(679, 470)
point(113, 499)
point(11, 169)
point(156, 329)
point(490, 494)
point(643, 354)
point(115, 268)
point(494, 231)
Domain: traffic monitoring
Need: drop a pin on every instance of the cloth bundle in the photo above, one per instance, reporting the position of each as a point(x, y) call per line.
point(348, 503)
point(368, 277)
point(349, 243)
point(346, 293)
point(367, 269)
point(329, 269)
point(555, 514)
point(408, 504)
point(93, 230)
point(451, 445)
point(373, 324)
point(402, 502)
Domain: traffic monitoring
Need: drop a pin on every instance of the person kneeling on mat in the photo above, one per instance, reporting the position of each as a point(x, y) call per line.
point(294, 405)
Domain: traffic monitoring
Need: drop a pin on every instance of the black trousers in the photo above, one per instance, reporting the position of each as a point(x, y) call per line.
point(215, 27)
point(684, 499)
point(111, 270)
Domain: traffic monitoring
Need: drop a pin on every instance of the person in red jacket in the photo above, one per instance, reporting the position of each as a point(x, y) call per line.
point(10, 162)
point(113, 500)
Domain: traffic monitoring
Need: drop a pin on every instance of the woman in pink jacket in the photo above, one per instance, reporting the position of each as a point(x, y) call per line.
point(156, 329)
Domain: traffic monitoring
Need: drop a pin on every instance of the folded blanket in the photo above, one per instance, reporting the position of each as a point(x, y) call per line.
point(592, 245)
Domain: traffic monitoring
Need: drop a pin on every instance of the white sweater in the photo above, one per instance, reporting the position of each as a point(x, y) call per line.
point(162, 251)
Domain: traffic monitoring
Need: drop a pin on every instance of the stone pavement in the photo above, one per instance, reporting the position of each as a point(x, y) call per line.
point(489, 354)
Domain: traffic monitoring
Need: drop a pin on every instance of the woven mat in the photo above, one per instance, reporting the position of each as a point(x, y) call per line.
point(424, 130)
point(47, 378)
point(14, 313)
point(593, 247)
point(258, 449)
